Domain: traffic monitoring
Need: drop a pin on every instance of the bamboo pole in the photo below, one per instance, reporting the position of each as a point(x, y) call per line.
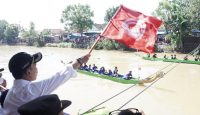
point(103, 31)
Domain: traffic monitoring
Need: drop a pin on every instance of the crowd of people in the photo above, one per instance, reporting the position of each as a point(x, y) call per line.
point(103, 71)
point(174, 57)
point(26, 97)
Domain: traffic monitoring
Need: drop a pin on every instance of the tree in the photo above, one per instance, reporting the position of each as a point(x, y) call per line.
point(12, 31)
point(176, 16)
point(77, 17)
point(3, 24)
point(109, 13)
point(31, 33)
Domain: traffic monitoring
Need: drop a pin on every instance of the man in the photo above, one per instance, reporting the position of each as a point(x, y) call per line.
point(101, 71)
point(186, 57)
point(115, 72)
point(154, 56)
point(129, 75)
point(24, 70)
point(85, 67)
point(196, 58)
point(94, 68)
point(44, 105)
point(110, 73)
point(174, 57)
point(90, 68)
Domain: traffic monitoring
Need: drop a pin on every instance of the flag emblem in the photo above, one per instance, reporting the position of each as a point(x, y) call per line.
point(134, 28)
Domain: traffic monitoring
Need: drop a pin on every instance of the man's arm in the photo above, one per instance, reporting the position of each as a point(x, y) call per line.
point(84, 58)
point(47, 86)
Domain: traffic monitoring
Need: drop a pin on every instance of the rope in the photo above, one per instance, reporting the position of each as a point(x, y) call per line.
point(147, 87)
point(138, 83)
point(155, 80)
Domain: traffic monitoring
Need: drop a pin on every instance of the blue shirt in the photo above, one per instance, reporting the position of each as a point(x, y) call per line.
point(94, 67)
point(100, 71)
point(115, 71)
point(128, 75)
point(85, 66)
point(89, 69)
point(110, 73)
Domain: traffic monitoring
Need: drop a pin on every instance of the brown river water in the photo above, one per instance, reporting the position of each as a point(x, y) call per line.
point(177, 93)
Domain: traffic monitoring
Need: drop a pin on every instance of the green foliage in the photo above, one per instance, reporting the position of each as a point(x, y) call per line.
point(77, 17)
point(46, 32)
point(3, 24)
point(39, 43)
point(31, 34)
point(11, 31)
point(109, 13)
point(179, 17)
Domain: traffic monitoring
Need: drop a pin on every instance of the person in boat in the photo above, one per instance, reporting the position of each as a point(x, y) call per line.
point(155, 56)
point(148, 55)
point(110, 73)
point(94, 68)
point(115, 72)
point(129, 75)
point(186, 58)
point(196, 58)
point(174, 57)
point(90, 68)
point(106, 72)
point(44, 105)
point(81, 67)
point(85, 67)
point(24, 70)
point(101, 71)
point(165, 56)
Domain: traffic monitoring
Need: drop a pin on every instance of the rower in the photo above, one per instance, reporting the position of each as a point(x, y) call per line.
point(174, 57)
point(196, 58)
point(165, 56)
point(185, 58)
point(154, 56)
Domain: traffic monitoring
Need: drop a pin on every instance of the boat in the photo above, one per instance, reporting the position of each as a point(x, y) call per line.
point(120, 80)
point(134, 81)
point(172, 60)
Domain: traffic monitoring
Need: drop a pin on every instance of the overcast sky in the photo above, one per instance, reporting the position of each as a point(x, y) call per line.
point(47, 13)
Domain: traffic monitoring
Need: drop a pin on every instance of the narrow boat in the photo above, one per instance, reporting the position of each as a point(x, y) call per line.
point(120, 80)
point(172, 60)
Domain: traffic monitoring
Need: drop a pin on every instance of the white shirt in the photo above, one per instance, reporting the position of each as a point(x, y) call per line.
point(24, 91)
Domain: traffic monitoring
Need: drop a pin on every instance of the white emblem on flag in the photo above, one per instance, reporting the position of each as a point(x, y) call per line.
point(134, 28)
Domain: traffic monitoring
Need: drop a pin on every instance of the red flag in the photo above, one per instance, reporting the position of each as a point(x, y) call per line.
point(133, 29)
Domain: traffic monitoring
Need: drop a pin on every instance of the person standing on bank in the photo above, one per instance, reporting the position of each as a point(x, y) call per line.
point(23, 68)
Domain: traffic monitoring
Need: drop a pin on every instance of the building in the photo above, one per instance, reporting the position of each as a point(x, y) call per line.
point(95, 30)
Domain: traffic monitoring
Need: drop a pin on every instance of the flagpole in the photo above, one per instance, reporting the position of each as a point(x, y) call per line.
point(103, 31)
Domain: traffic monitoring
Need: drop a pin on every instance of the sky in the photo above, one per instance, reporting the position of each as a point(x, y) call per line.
point(46, 14)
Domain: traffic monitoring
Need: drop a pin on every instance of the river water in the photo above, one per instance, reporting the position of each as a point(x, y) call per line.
point(177, 93)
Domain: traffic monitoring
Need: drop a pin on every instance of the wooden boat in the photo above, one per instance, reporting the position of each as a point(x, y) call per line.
point(172, 60)
point(120, 80)
point(133, 81)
